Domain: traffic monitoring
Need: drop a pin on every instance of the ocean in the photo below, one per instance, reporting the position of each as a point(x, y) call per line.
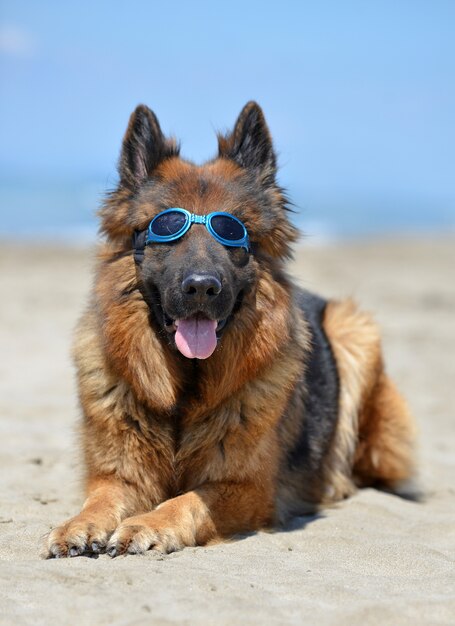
point(65, 209)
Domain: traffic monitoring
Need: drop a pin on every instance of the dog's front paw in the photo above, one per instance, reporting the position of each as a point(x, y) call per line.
point(79, 535)
point(152, 531)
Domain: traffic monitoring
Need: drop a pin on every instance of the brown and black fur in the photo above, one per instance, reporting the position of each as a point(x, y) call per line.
point(292, 411)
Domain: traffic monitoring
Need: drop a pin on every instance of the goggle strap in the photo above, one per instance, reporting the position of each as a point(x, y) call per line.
point(139, 237)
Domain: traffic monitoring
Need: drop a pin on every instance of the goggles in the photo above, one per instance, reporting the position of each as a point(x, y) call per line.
point(172, 224)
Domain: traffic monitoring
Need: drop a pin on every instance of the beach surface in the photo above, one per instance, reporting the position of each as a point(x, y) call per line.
point(374, 559)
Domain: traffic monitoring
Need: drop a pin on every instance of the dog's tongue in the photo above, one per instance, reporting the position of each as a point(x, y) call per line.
point(196, 337)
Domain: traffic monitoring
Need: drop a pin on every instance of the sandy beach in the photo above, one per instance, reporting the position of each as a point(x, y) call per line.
point(374, 559)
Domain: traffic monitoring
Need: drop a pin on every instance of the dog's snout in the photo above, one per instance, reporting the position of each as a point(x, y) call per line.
point(202, 286)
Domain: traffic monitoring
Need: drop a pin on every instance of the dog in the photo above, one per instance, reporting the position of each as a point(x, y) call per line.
point(217, 397)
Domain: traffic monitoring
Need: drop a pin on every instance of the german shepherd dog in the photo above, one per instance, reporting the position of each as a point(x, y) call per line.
point(217, 397)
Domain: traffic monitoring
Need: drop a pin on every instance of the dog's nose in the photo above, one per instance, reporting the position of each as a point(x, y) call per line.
point(201, 285)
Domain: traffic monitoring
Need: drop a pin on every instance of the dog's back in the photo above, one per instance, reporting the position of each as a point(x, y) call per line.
point(353, 427)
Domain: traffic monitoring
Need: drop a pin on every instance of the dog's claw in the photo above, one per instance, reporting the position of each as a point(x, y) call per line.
point(96, 547)
point(55, 552)
point(75, 551)
point(112, 551)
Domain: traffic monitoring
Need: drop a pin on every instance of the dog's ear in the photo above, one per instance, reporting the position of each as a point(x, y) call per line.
point(250, 143)
point(144, 147)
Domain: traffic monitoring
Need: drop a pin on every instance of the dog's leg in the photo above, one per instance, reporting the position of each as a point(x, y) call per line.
point(213, 511)
point(385, 450)
point(108, 502)
point(129, 467)
point(127, 476)
point(374, 441)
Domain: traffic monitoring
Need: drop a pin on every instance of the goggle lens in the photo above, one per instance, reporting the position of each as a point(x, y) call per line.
point(227, 227)
point(167, 224)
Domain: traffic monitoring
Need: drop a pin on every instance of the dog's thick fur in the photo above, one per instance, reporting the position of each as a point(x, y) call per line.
point(292, 411)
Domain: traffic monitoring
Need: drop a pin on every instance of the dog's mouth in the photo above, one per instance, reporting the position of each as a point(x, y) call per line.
point(196, 337)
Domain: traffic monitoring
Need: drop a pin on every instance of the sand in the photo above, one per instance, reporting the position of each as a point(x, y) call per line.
point(374, 559)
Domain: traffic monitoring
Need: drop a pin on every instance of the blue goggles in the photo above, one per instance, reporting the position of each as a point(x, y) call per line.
point(172, 224)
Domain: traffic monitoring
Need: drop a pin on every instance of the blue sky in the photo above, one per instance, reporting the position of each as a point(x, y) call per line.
point(359, 95)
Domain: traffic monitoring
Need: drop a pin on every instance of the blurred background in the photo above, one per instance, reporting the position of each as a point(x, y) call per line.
point(359, 96)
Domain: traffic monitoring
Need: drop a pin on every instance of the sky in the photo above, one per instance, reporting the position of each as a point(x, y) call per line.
point(359, 96)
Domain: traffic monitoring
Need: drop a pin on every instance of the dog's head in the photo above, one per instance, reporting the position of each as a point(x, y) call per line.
point(195, 285)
